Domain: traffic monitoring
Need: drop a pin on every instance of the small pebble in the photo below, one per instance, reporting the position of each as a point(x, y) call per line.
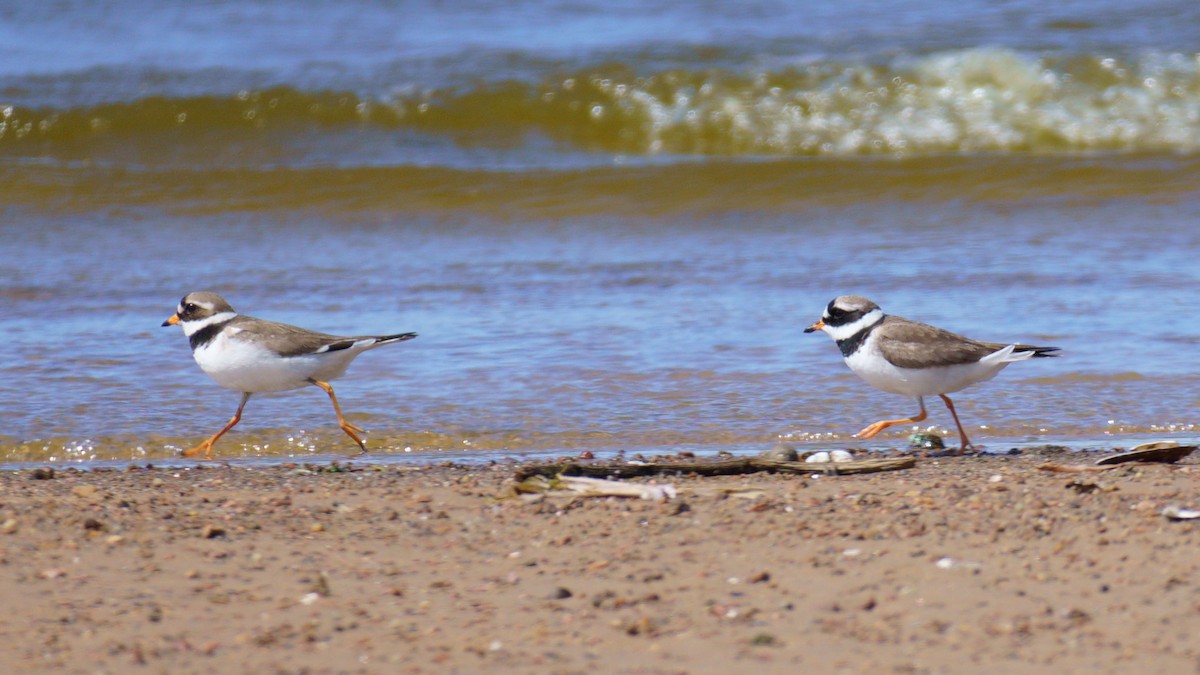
point(782, 453)
point(925, 442)
point(84, 490)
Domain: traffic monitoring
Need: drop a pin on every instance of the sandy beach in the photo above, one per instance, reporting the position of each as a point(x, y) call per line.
point(954, 565)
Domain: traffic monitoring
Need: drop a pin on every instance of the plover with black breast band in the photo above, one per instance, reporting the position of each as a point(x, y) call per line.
point(907, 357)
point(255, 355)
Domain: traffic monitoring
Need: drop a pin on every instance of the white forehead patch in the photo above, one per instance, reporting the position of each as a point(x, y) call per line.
point(191, 327)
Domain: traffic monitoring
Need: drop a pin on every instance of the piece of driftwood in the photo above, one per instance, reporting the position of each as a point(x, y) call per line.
point(1165, 452)
point(720, 467)
point(583, 486)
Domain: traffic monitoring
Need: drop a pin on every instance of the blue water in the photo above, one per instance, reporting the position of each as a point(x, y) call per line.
point(609, 223)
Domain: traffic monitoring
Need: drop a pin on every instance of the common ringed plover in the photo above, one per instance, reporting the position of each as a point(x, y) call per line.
point(907, 357)
point(254, 355)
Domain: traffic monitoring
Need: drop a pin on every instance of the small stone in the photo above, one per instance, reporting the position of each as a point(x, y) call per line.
point(782, 453)
point(43, 473)
point(316, 527)
point(677, 507)
point(926, 442)
point(764, 640)
point(113, 540)
point(93, 525)
point(84, 491)
point(9, 526)
point(212, 532)
point(561, 593)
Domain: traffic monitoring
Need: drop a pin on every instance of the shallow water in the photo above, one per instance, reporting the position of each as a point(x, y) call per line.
point(634, 278)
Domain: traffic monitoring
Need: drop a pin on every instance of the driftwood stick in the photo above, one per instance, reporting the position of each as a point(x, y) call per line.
point(721, 467)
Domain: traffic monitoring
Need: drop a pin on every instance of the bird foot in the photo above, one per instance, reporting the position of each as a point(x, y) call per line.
point(872, 430)
point(205, 447)
point(350, 430)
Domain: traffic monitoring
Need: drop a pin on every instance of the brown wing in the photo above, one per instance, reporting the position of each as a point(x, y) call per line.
point(287, 340)
point(909, 344)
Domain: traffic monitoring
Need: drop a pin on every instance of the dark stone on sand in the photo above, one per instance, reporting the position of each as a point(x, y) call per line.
point(926, 442)
point(782, 453)
point(561, 593)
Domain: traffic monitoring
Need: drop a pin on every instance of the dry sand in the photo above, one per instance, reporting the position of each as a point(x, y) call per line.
point(958, 565)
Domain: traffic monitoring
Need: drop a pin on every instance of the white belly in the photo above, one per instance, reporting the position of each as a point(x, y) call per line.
point(242, 366)
point(872, 367)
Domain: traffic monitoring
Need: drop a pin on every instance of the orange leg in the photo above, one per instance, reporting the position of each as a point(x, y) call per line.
point(345, 426)
point(879, 426)
point(966, 442)
point(206, 446)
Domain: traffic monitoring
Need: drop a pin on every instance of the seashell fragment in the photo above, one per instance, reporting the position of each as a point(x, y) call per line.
point(1167, 452)
point(1176, 512)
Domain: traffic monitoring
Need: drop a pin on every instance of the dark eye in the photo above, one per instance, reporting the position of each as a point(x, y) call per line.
point(835, 311)
point(190, 307)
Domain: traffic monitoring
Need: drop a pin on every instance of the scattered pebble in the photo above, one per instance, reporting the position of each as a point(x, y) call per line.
point(921, 441)
point(782, 453)
point(85, 491)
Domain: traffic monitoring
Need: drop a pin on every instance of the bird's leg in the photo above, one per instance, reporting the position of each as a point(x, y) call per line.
point(879, 426)
point(207, 445)
point(345, 426)
point(966, 442)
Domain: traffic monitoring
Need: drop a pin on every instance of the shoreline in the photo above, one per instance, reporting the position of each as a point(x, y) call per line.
point(953, 564)
point(476, 456)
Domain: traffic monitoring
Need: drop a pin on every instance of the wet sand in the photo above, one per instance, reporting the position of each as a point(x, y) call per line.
point(956, 565)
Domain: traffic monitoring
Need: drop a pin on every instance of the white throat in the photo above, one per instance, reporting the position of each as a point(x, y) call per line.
point(190, 327)
point(839, 333)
